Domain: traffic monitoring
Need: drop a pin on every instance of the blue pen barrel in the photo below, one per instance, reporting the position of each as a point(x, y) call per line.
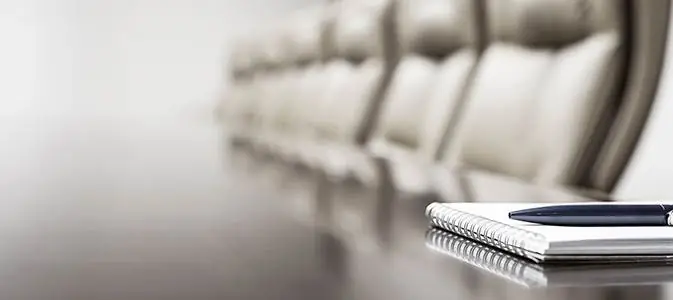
point(597, 215)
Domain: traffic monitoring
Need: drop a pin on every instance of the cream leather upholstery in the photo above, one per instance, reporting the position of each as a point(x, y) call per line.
point(273, 87)
point(241, 62)
point(356, 78)
point(238, 102)
point(303, 77)
point(243, 97)
point(439, 42)
point(540, 92)
point(314, 87)
point(359, 38)
point(649, 25)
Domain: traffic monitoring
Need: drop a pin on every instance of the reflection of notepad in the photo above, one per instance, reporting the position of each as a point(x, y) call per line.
point(529, 274)
point(489, 223)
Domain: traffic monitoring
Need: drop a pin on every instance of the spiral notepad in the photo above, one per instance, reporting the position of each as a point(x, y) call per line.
point(485, 258)
point(529, 274)
point(488, 223)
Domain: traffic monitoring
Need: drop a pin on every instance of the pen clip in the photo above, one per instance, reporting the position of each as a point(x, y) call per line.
point(669, 218)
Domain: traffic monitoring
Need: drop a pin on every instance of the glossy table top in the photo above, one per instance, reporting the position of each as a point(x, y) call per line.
point(139, 208)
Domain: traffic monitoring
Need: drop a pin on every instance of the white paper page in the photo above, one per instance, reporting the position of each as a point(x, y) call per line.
point(625, 238)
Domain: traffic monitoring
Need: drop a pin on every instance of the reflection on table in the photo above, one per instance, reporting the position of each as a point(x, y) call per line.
point(373, 240)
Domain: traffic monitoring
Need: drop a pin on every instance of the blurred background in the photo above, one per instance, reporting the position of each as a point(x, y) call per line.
point(85, 83)
point(119, 63)
point(122, 57)
point(623, 154)
point(150, 59)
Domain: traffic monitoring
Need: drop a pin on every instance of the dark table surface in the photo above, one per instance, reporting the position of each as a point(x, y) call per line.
point(139, 208)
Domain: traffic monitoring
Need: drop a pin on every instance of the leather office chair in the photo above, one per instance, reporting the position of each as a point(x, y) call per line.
point(357, 77)
point(324, 78)
point(289, 56)
point(304, 78)
point(440, 42)
point(274, 79)
point(649, 22)
point(238, 69)
point(322, 89)
point(538, 102)
point(239, 101)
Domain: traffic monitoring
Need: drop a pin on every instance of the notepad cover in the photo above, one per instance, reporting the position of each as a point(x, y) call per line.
point(529, 274)
point(489, 223)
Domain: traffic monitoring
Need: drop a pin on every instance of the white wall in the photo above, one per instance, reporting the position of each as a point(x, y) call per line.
point(650, 174)
point(126, 56)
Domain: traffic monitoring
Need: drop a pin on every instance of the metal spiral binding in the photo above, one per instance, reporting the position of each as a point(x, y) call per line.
point(480, 256)
point(484, 230)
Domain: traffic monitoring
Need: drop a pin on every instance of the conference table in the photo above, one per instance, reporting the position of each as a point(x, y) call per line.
point(138, 209)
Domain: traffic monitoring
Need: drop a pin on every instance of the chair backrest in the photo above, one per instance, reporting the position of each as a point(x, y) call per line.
point(239, 70)
point(537, 104)
point(304, 74)
point(241, 98)
point(649, 24)
point(360, 70)
point(274, 79)
point(440, 44)
point(240, 61)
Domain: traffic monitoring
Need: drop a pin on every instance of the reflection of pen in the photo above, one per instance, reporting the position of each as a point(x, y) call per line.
point(598, 215)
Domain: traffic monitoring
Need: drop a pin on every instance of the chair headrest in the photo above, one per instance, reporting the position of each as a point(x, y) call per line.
point(251, 47)
point(304, 37)
point(436, 27)
point(358, 29)
point(240, 59)
point(551, 23)
point(275, 50)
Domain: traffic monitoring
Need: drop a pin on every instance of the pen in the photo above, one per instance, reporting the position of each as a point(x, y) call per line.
point(598, 215)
